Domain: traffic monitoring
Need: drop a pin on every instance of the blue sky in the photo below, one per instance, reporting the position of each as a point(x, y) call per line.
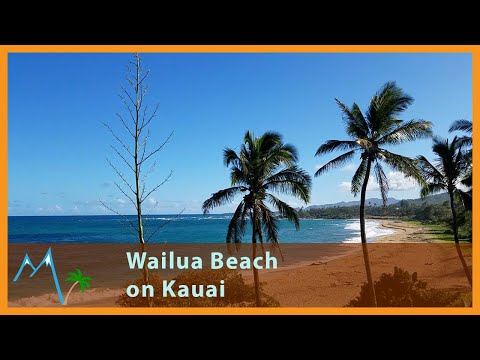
point(57, 103)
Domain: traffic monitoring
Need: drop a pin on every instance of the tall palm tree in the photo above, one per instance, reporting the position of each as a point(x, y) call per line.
point(445, 174)
point(263, 165)
point(369, 133)
point(465, 126)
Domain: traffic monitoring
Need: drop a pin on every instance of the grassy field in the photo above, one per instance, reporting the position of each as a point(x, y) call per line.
point(438, 232)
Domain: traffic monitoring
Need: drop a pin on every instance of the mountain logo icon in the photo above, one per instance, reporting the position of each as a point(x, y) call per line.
point(47, 261)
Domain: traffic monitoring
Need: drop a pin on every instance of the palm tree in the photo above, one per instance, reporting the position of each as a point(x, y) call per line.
point(465, 126)
point(77, 278)
point(369, 133)
point(450, 166)
point(263, 165)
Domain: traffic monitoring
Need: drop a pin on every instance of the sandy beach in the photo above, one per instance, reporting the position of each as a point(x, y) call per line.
point(331, 277)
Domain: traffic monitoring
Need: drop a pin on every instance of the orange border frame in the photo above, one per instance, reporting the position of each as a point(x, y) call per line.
point(5, 49)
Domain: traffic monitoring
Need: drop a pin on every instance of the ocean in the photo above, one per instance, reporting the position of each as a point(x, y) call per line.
point(176, 229)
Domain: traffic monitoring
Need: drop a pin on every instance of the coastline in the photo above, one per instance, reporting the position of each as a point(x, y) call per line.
point(332, 279)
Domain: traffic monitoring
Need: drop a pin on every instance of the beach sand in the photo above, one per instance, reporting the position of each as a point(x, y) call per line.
point(321, 275)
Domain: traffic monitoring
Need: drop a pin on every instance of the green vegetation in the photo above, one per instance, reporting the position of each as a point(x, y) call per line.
point(449, 169)
point(263, 165)
point(237, 292)
point(401, 289)
point(369, 134)
point(78, 279)
point(437, 217)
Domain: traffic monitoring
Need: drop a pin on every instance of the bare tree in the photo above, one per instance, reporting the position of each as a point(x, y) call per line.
point(135, 153)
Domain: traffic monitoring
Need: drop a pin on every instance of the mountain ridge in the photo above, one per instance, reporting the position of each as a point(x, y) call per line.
point(431, 199)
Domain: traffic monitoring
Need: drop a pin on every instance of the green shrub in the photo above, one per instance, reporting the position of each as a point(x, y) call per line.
point(401, 289)
point(237, 292)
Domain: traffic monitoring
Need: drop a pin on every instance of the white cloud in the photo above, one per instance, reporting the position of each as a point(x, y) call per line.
point(121, 201)
point(58, 208)
point(346, 185)
point(396, 180)
point(349, 168)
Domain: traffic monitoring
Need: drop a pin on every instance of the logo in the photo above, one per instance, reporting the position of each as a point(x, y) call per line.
point(75, 277)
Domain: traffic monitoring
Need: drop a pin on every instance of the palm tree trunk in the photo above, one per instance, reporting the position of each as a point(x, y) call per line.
point(455, 236)
point(256, 280)
point(363, 235)
point(69, 291)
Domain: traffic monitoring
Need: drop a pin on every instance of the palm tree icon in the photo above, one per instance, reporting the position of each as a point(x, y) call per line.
point(77, 278)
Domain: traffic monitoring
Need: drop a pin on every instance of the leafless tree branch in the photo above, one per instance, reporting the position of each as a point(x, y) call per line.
point(152, 116)
point(156, 187)
point(143, 145)
point(120, 175)
point(126, 195)
point(125, 124)
point(129, 96)
point(144, 77)
point(143, 159)
point(123, 158)
point(123, 216)
point(118, 139)
point(152, 168)
point(127, 106)
point(165, 223)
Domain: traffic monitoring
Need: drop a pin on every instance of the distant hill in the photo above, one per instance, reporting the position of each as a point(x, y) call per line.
point(432, 199)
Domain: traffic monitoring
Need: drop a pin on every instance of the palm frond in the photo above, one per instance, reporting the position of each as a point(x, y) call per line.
point(409, 131)
point(230, 157)
point(269, 223)
point(429, 171)
point(336, 145)
point(382, 182)
point(248, 139)
point(285, 210)
point(461, 125)
point(269, 140)
point(356, 125)
point(465, 141)
point(467, 178)
point(466, 197)
point(387, 103)
point(337, 162)
point(359, 177)
point(407, 166)
point(291, 181)
point(220, 198)
point(236, 227)
point(431, 188)
point(237, 176)
point(284, 154)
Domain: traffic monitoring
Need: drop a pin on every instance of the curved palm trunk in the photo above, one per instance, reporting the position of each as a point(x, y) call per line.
point(363, 235)
point(455, 236)
point(69, 291)
point(258, 301)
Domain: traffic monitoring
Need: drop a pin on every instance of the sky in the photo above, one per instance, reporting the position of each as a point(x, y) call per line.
point(57, 104)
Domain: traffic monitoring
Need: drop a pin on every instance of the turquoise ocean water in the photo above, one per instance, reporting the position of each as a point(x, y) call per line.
point(179, 229)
